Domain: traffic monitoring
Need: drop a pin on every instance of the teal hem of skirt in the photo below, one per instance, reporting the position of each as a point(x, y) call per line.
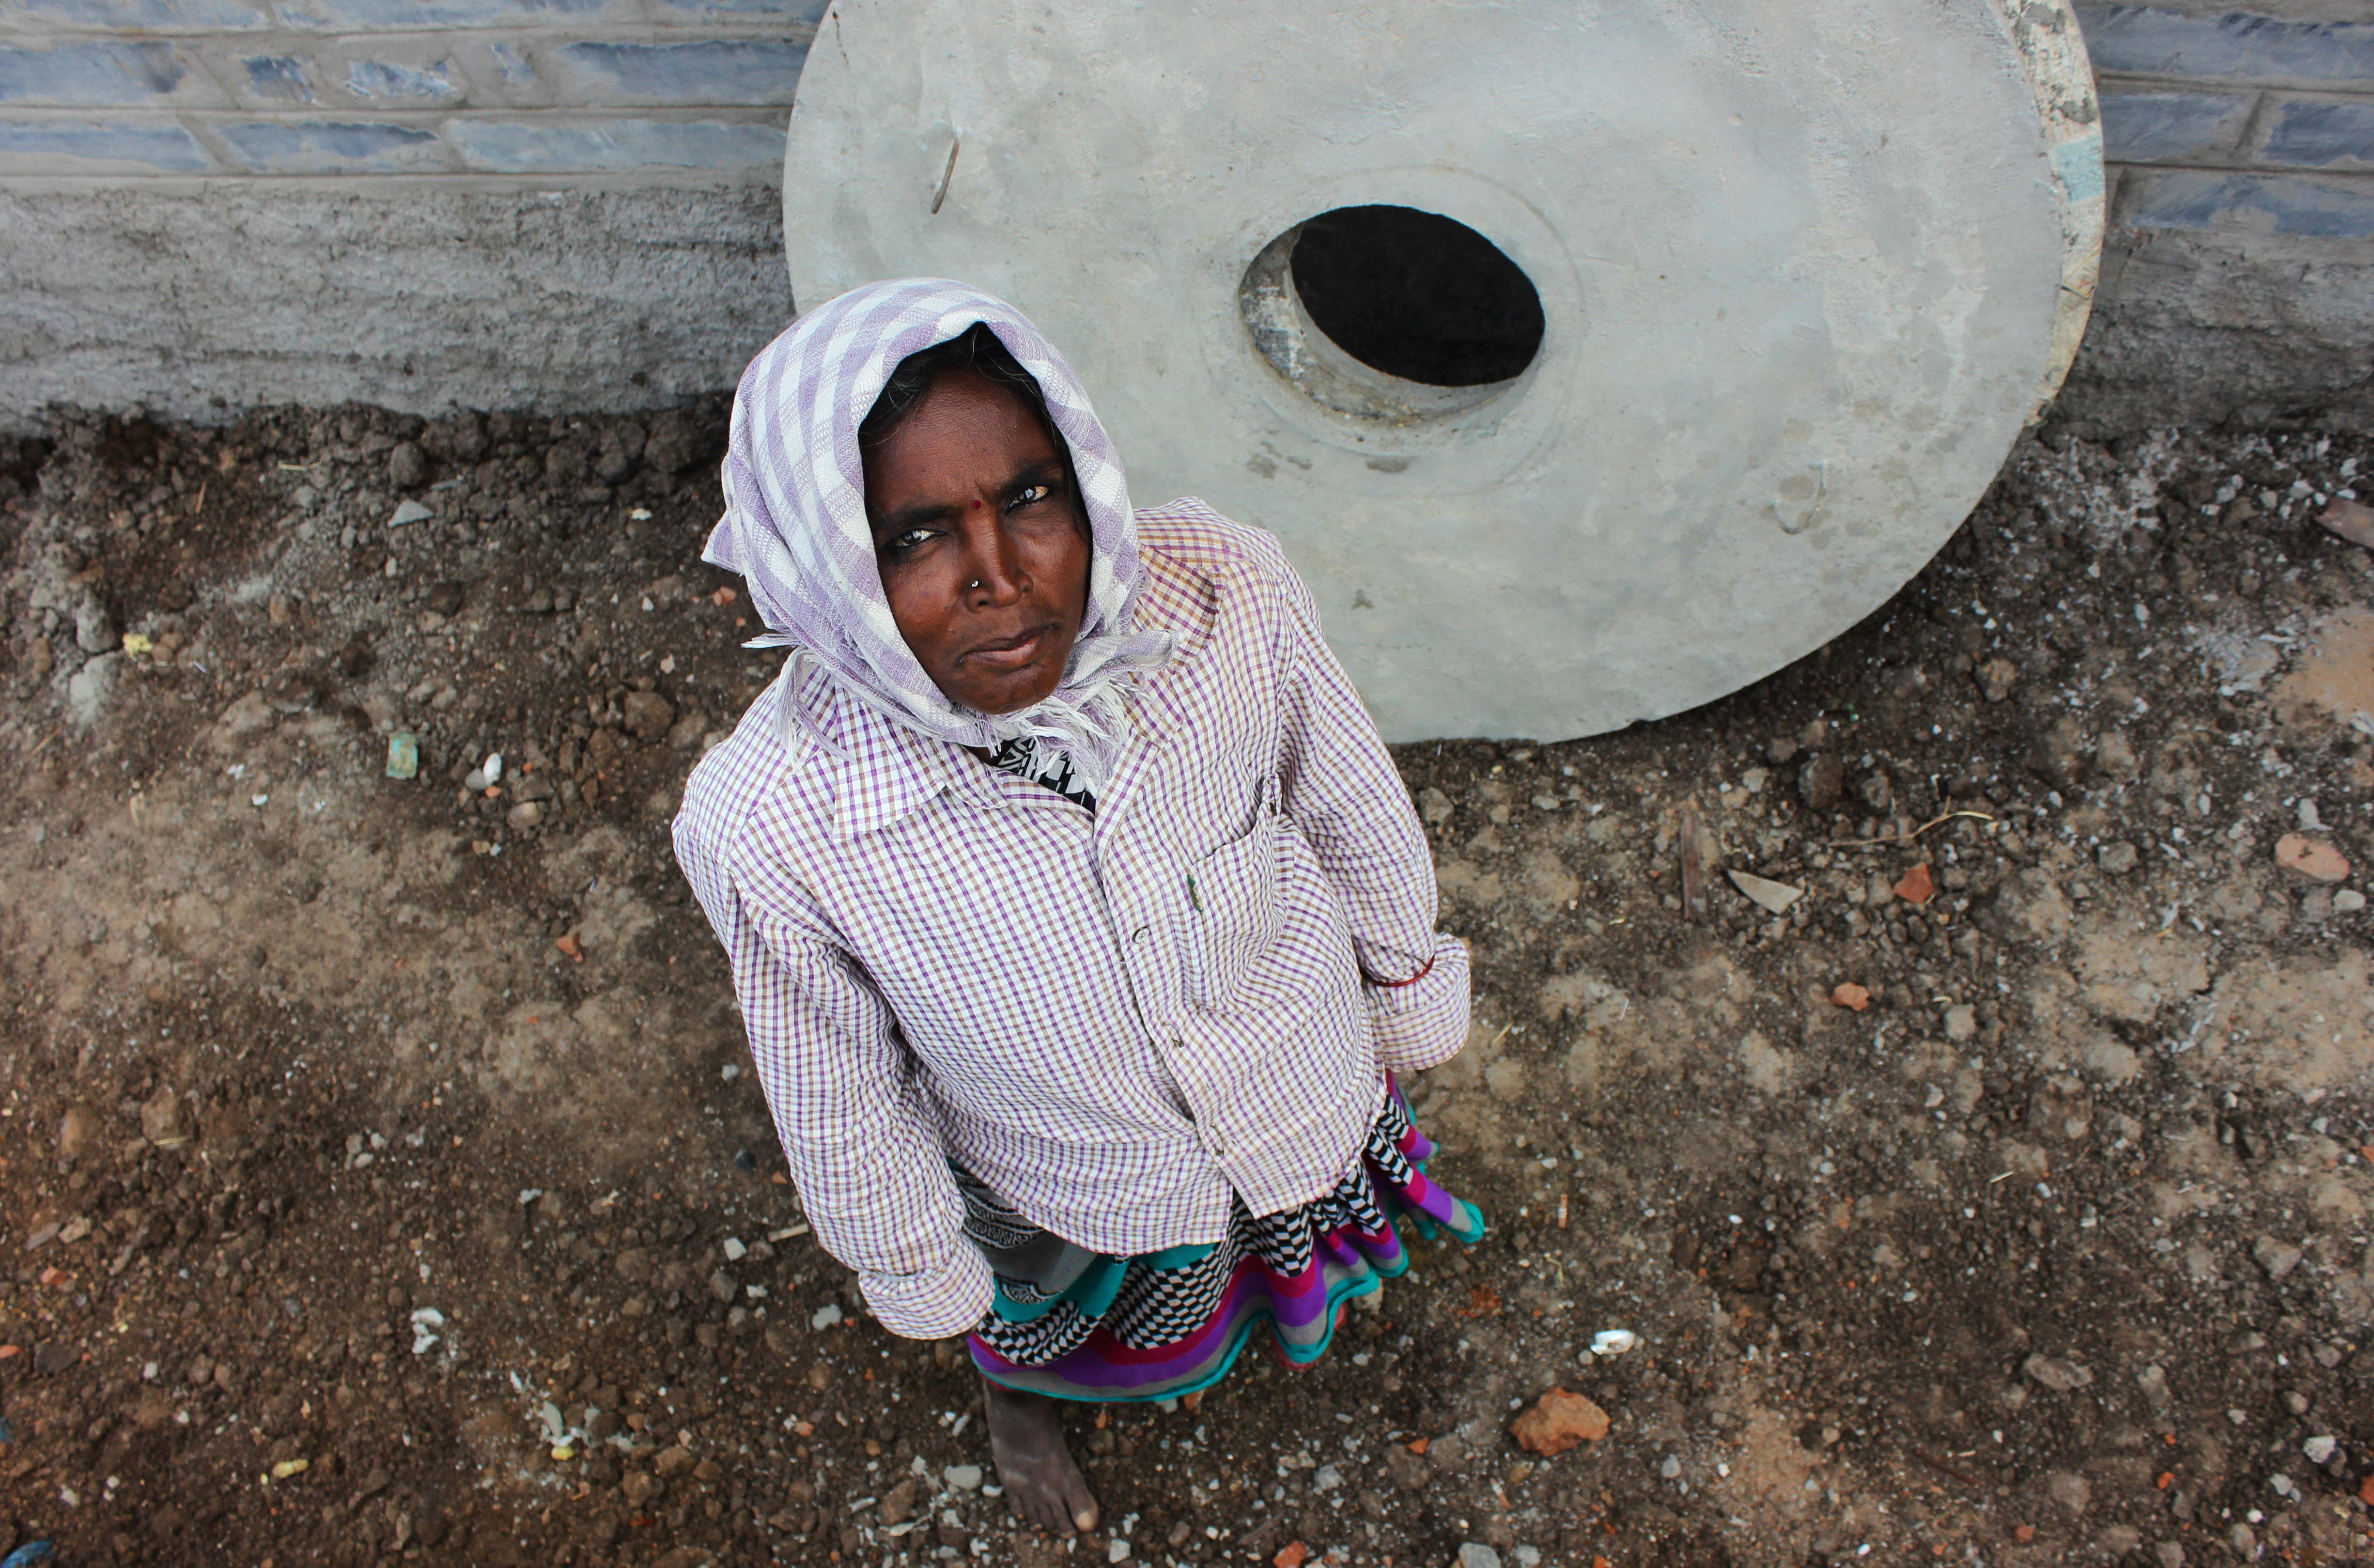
point(1368, 1284)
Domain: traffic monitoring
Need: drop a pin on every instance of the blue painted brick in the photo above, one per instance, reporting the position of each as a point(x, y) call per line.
point(118, 72)
point(414, 15)
point(280, 78)
point(2142, 40)
point(713, 71)
point(2288, 204)
point(390, 82)
point(512, 71)
point(2148, 128)
point(136, 15)
point(325, 147)
point(75, 147)
point(2322, 133)
point(492, 147)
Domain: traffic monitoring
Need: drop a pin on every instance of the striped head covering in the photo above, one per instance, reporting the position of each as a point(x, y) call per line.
point(795, 525)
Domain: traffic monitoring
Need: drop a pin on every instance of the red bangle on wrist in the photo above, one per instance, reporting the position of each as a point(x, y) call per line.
point(1397, 985)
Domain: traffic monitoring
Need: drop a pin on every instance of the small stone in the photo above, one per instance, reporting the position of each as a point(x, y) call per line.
point(1476, 1554)
point(2118, 1540)
point(898, 1504)
point(1916, 886)
point(407, 466)
point(1327, 1477)
point(526, 814)
point(409, 513)
point(649, 715)
point(1821, 782)
point(2071, 1491)
point(642, 1487)
point(733, 1249)
point(674, 1462)
point(722, 1286)
point(825, 1316)
point(2349, 901)
point(964, 1478)
point(2054, 1372)
point(2170, 1554)
point(1671, 1468)
point(1407, 1471)
point(90, 689)
point(1558, 1421)
point(1878, 793)
point(95, 630)
point(79, 1132)
point(163, 1120)
point(2059, 755)
point(1434, 806)
point(2115, 755)
point(1996, 678)
point(2274, 1257)
point(2118, 860)
point(2320, 1449)
point(1961, 1022)
point(1847, 993)
point(2312, 859)
point(1766, 894)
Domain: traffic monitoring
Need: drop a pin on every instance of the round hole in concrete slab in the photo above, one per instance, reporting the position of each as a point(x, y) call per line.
point(1393, 314)
point(1418, 295)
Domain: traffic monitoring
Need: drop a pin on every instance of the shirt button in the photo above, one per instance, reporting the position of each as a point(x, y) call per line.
point(1140, 934)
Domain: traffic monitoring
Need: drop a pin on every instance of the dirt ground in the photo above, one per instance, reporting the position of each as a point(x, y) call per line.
point(382, 1180)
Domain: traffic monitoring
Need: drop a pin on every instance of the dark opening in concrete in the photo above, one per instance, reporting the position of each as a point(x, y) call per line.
point(1416, 295)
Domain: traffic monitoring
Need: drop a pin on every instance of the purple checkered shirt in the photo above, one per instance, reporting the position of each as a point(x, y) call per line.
point(1115, 1019)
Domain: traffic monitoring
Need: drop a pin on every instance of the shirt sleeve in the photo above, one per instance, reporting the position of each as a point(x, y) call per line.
point(871, 1169)
point(1338, 783)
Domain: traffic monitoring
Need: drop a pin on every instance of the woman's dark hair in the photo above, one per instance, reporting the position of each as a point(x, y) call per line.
point(976, 349)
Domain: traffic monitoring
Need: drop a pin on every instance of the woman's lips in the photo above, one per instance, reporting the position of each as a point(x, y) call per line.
point(1011, 653)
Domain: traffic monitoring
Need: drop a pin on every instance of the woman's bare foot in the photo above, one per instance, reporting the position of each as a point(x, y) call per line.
point(1026, 1438)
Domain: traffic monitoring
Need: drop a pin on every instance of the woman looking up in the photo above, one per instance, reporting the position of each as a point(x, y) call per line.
point(1079, 918)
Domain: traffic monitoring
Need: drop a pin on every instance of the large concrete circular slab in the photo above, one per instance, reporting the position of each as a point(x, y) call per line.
point(1806, 268)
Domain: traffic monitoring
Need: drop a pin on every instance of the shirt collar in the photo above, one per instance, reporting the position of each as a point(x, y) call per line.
point(882, 772)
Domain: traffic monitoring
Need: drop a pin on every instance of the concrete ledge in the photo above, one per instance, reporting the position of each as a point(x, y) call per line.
point(2230, 299)
point(194, 304)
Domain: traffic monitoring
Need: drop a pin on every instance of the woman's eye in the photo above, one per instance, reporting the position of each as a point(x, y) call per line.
point(899, 544)
point(1031, 495)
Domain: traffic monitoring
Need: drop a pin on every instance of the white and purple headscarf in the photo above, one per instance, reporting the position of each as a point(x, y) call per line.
point(796, 525)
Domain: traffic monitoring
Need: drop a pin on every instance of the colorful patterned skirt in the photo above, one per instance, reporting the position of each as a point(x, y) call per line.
point(1163, 1323)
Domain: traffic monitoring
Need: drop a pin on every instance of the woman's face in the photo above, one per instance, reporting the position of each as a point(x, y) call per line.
point(982, 546)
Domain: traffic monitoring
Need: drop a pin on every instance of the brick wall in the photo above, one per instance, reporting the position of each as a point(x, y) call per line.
point(567, 90)
point(2237, 277)
point(571, 204)
point(2211, 114)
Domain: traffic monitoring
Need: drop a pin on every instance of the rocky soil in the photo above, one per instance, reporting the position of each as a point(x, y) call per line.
point(382, 1181)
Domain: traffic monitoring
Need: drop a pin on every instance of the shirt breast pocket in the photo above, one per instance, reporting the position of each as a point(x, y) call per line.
point(1233, 913)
